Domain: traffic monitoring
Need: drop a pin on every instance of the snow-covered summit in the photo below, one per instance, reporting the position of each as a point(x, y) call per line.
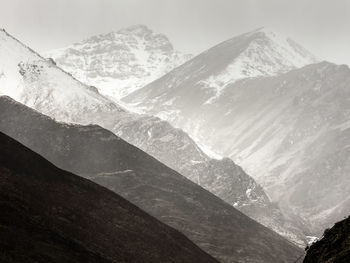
point(267, 53)
point(261, 52)
point(287, 52)
point(39, 83)
point(121, 62)
point(140, 30)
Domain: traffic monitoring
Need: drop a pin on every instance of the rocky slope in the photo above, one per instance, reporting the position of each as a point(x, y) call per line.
point(49, 215)
point(51, 91)
point(95, 153)
point(333, 247)
point(120, 62)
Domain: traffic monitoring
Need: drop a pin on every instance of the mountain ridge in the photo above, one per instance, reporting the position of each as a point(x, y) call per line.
point(51, 215)
point(334, 245)
point(257, 53)
point(98, 154)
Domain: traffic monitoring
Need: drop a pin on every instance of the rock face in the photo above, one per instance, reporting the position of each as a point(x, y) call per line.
point(333, 247)
point(51, 91)
point(49, 215)
point(95, 153)
point(120, 62)
point(289, 131)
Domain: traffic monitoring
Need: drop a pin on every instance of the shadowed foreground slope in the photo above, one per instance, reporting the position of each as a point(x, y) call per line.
point(334, 247)
point(96, 153)
point(49, 215)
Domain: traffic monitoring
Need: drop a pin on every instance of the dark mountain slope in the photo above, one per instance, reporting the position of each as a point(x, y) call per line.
point(334, 247)
point(94, 152)
point(49, 215)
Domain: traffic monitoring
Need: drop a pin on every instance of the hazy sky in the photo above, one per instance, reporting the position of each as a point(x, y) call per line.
point(322, 26)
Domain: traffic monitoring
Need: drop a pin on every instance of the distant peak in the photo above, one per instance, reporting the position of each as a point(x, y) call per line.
point(268, 32)
point(259, 29)
point(136, 30)
point(281, 40)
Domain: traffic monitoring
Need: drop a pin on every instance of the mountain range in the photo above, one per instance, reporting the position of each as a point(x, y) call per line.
point(259, 53)
point(95, 153)
point(260, 99)
point(40, 84)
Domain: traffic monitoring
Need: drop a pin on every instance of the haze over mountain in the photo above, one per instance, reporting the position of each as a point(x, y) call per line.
point(40, 84)
point(49, 215)
point(229, 144)
point(120, 62)
point(95, 153)
point(288, 130)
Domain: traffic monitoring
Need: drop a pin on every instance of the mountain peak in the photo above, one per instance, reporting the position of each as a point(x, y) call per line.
point(258, 53)
point(268, 32)
point(120, 62)
point(287, 43)
point(136, 30)
point(261, 52)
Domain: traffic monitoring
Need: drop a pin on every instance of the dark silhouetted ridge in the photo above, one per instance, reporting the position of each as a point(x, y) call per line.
point(334, 247)
point(49, 215)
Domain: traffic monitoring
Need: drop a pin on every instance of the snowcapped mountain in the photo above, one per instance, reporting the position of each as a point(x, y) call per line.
point(120, 62)
point(258, 53)
point(289, 131)
point(37, 82)
point(266, 54)
point(56, 94)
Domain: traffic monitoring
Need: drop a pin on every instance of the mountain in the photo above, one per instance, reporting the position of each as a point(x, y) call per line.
point(120, 62)
point(258, 53)
point(39, 83)
point(222, 177)
point(333, 247)
point(49, 215)
point(97, 154)
point(55, 93)
point(289, 131)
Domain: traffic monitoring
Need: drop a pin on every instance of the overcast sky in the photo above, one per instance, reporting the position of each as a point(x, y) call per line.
point(322, 26)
